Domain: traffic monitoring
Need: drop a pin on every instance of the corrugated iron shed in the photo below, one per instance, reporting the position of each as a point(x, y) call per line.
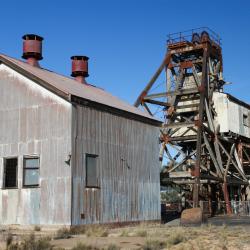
point(62, 122)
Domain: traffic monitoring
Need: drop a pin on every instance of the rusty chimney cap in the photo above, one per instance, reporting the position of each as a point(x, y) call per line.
point(84, 58)
point(79, 66)
point(32, 47)
point(32, 37)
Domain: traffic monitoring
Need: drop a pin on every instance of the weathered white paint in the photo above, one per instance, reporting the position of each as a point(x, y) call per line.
point(230, 115)
point(35, 88)
point(221, 103)
point(34, 121)
point(1, 172)
point(128, 168)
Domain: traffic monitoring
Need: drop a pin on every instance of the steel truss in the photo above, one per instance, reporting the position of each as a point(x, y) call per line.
point(200, 158)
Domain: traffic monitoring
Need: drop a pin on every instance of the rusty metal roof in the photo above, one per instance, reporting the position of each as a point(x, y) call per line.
point(67, 87)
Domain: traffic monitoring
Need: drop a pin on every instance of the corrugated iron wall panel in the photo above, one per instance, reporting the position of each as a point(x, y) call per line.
point(128, 169)
point(35, 121)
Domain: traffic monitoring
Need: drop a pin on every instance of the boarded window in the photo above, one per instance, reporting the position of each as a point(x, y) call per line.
point(245, 120)
point(31, 172)
point(10, 173)
point(91, 170)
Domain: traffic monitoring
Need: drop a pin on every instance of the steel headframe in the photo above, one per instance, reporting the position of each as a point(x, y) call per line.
point(204, 158)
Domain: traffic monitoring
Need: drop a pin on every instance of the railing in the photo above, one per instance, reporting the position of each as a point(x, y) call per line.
point(186, 36)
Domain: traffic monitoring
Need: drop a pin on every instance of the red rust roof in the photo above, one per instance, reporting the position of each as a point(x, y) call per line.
point(67, 87)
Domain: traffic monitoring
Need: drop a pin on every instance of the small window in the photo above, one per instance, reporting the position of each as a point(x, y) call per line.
point(91, 170)
point(31, 171)
point(245, 120)
point(10, 173)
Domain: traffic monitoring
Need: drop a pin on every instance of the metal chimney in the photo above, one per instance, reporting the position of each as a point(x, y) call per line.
point(80, 68)
point(32, 49)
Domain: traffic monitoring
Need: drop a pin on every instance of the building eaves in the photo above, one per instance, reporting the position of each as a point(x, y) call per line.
point(236, 100)
point(4, 59)
point(74, 92)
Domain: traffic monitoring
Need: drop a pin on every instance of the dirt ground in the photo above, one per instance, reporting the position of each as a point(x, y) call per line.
point(144, 236)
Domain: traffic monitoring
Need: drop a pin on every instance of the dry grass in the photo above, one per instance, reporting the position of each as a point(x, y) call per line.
point(37, 228)
point(154, 245)
point(96, 231)
point(30, 243)
point(113, 247)
point(63, 233)
point(220, 237)
point(140, 237)
point(78, 230)
point(175, 238)
point(81, 246)
point(9, 240)
point(124, 233)
point(141, 233)
point(90, 231)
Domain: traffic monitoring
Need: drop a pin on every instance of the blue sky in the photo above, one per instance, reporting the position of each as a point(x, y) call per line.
point(126, 39)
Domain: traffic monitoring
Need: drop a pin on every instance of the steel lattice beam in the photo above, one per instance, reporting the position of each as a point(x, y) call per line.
point(203, 154)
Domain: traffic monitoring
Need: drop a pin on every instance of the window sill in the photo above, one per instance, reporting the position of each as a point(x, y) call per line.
point(27, 187)
point(93, 187)
point(9, 188)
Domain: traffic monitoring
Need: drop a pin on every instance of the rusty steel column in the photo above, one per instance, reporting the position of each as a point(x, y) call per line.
point(226, 197)
point(202, 90)
point(240, 154)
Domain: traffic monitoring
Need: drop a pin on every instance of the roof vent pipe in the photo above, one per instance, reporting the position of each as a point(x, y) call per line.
point(80, 68)
point(32, 49)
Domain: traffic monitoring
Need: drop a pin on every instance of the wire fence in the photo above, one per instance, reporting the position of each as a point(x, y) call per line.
point(220, 208)
point(241, 208)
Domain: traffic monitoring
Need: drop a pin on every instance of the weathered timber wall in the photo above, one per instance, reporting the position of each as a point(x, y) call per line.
point(128, 168)
point(33, 121)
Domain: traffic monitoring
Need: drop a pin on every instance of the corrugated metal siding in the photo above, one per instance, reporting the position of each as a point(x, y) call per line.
point(35, 121)
point(230, 115)
point(128, 168)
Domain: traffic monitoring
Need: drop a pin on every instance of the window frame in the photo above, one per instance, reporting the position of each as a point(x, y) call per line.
point(4, 172)
point(245, 120)
point(24, 170)
point(86, 175)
